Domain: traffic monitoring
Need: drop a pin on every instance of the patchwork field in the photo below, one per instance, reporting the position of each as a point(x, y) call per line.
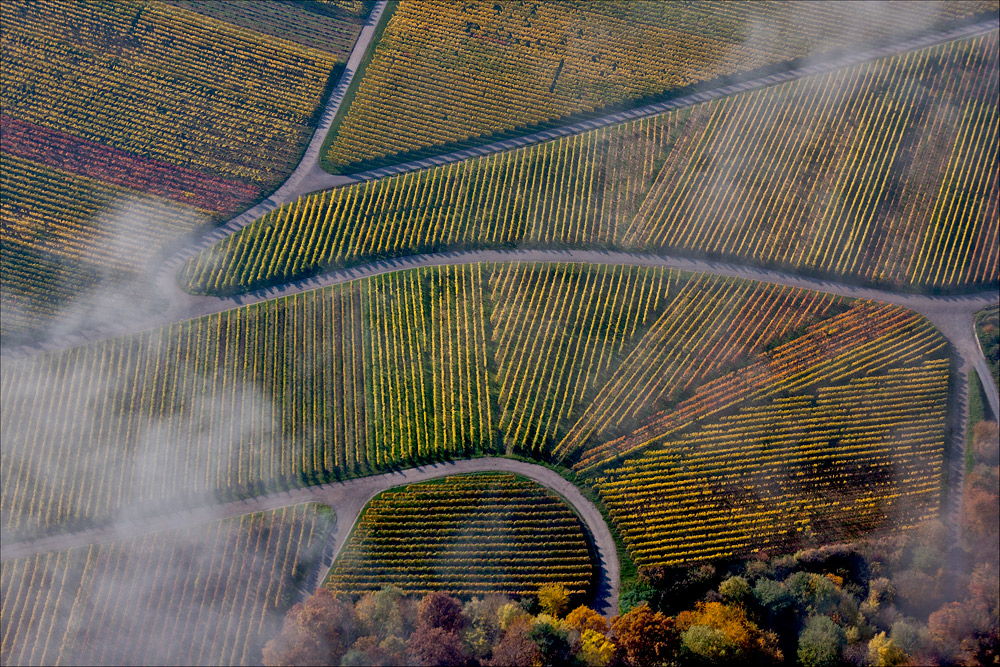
point(208, 594)
point(446, 73)
point(883, 173)
point(704, 427)
point(466, 535)
point(628, 375)
point(128, 124)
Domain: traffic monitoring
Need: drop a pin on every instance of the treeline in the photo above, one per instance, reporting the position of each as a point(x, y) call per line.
point(916, 598)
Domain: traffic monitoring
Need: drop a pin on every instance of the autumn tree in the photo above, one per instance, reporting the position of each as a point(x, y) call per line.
point(554, 599)
point(386, 613)
point(440, 610)
point(584, 618)
point(516, 647)
point(317, 631)
point(435, 646)
point(723, 634)
point(643, 637)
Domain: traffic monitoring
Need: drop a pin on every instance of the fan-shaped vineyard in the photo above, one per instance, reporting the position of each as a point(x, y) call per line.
point(591, 366)
point(445, 73)
point(207, 594)
point(172, 116)
point(867, 337)
point(466, 535)
point(883, 173)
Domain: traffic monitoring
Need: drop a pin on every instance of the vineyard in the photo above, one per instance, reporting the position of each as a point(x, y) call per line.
point(867, 337)
point(207, 594)
point(714, 424)
point(850, 458)
point(466, 535)
point(444, 73)
point(306, 24)
point(883, 173)
point(339, 382)
point(174, 115)
point(592, 366)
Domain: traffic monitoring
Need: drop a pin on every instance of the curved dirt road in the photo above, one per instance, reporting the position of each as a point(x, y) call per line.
point(347, 499)
point(951, 314)
point(308, 177)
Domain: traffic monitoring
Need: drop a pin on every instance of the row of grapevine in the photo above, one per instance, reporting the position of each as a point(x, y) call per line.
point(556, 331)
point(445, 73)
point(712, 324)
point(207, 594)
point(162, 83)
point(865, 339)
point(852, 457)
point(882, 173)
point(581, 363)
point(64, 234)
point(110, 104)
point(466, 535)
point(885, 171)
point(299, 22)
point(569, 192)
point(344, 381)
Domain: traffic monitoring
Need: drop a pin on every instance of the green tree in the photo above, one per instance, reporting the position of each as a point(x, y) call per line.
point(820, 642)
point(736, 590)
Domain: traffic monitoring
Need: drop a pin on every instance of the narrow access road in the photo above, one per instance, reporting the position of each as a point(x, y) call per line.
point(347, 499)
point(686, 101)
point(308, 176)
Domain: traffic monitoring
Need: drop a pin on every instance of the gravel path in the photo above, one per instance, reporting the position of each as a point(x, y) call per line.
point(347, 499)
point(951, 314)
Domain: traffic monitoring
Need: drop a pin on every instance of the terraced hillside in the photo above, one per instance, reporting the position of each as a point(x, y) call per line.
point(466, 535)
point(881, 173)
point(129, 124)
point(446, 73)
point(596, 367)
point(208, 594)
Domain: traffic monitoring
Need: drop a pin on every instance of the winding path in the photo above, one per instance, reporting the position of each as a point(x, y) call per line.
point(347, 499)
point(309, 177)
point(953, 315)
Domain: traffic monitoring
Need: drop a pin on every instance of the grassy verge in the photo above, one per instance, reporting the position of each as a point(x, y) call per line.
point(988, 333)
point(628, 570)
point(977, 413)
point(352, 89)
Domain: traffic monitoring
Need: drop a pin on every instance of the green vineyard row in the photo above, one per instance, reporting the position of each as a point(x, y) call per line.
point(466, 535)
point(882, 173)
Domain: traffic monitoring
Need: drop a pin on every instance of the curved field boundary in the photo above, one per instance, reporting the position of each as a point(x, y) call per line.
point(685, 101)
point(348, 499)
point(309, 177)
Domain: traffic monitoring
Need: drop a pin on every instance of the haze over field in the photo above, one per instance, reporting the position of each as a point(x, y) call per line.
point(623, 334)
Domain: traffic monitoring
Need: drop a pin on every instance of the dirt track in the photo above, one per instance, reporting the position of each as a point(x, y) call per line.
point(952, 315)
point(348, 499)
